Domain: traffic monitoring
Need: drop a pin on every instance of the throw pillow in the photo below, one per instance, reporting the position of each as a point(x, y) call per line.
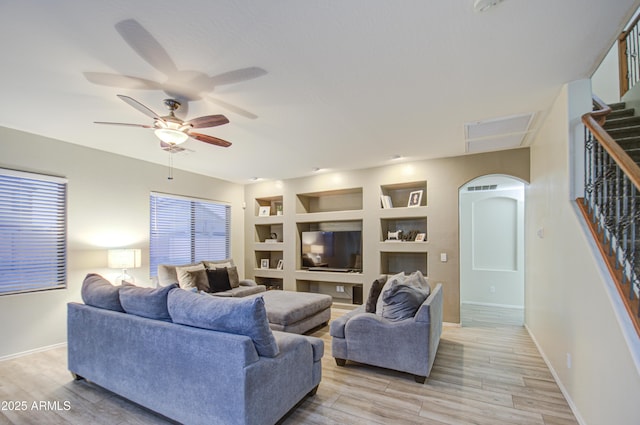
point(182, 273)
point(374, 294)
point(243, 316)
point(197, 279)
point(402, 301)
point(99, 292)
point(234, 278)
point(146, 302)
point(396, 278)
point(218, 280)
point(218, 264)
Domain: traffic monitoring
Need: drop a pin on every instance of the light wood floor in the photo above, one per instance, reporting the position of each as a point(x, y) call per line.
point(487, 372)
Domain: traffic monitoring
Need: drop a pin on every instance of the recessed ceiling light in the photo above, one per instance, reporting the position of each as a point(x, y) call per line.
point(396, 157)
point(255, 179)
point(483, 5)
point(316, 169)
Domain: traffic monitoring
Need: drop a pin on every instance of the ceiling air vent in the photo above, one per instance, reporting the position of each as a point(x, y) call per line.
point(482, 188)
point(497, 134)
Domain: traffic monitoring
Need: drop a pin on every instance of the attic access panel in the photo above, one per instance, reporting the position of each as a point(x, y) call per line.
point(497, 134)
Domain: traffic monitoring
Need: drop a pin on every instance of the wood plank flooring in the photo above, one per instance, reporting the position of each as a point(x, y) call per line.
point(487, 372)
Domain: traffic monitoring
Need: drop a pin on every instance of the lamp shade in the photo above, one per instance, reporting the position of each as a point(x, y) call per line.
point(128, 258)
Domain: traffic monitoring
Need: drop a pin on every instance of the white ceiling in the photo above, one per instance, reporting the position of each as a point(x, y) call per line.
point(348, 83)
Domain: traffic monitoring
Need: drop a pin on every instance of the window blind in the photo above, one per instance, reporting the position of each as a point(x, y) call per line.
point(186, 230)
point(33, 232)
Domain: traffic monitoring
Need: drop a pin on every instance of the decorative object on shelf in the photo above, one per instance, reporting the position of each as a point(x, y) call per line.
point(278, 208)
point(264, 263)
point(264, 211)
point(421, 237)
point(415, 198)
point(273, 238)
point(386, 201)
point(124, 259)
point(394, 236)
point(280, 265)
point(410, 236)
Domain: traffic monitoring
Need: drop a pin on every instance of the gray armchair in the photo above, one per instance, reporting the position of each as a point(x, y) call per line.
point(407, 345)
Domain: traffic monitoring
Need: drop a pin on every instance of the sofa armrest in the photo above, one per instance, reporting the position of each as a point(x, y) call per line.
point(336, 327)
point(248, 282)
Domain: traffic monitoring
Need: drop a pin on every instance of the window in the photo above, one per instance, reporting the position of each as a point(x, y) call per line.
point(33, 232)
point(186, 230)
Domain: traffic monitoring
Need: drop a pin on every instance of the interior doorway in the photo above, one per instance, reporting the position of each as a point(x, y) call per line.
point(491, 219)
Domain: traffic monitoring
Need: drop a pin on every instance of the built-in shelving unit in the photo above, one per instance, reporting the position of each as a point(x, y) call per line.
point(268, 244)
point(278, 236)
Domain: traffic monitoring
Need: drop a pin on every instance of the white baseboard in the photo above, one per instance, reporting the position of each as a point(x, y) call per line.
point(564, 391)
point(516, 307)
point(35, 350)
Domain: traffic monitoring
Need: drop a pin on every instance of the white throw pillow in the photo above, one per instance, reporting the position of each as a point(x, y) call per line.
point(185, 280)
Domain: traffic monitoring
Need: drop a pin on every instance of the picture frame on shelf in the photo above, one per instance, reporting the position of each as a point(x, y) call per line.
point(280, 265)
point(386, 201)
point(264, 263)
point(415, 198)
point(264, 211)
point(420, 237)
point(278, 208)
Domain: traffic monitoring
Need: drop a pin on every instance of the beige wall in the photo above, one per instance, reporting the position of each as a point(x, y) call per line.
point(108, 206)
point(567, 301)
point(443, 176)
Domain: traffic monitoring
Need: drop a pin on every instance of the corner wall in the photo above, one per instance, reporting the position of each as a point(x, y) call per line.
point(568, 310)
point(108, 206)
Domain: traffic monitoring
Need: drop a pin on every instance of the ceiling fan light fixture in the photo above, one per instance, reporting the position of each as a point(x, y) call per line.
point(171, 136)
point(484, 5)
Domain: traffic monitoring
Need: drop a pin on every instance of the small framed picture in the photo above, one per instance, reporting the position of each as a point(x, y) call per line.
point(280, 265)
point(420, 237)
point(264, 263)
point(264, 211)
point(415, 198)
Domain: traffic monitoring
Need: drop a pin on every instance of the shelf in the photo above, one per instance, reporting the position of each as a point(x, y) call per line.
point(335, 277)
point(273, 202)
point(399, 193)
point(400, 247)
point(329, 201)
point(268, 273)
point(270, 219)
point(392, 262)
point(268, 246)
point(403, 212)
point(349, 215)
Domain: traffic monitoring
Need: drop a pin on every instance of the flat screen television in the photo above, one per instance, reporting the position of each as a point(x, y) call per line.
point(335, 250)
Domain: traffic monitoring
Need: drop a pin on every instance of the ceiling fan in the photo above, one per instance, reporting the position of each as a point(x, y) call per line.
point(172, 130)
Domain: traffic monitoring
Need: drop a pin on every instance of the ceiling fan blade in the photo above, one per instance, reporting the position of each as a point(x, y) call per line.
point(123, 123)
point(145, 45)
point(140, 107)
point(208, 121)
point(232, 108)
point(121, 81)
point(210, 139)
point(237, 75)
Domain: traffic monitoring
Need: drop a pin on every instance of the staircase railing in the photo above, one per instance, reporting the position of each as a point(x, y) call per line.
point(629, 61)
point(612, 206)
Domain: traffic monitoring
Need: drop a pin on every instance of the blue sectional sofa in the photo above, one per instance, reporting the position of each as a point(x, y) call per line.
point(193, 358)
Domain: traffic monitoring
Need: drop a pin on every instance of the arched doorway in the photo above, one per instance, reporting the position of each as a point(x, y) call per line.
point(491, 219)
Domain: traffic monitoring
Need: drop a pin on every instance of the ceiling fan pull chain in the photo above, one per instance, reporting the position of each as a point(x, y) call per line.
point(170, 166)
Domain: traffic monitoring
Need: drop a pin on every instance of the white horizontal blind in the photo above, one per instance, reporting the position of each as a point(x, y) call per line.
point(185, 230)
point(33, 232)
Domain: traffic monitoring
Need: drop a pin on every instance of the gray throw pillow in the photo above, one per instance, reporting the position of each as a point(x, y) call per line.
point(243, 316)
point(402, 301)
point(146, 302)
point(197, 279)
point(99, 292)
point(374, 294)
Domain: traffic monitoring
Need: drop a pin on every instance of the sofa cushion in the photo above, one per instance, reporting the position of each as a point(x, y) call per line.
point(374, 293)
point(403, 298)
point(146, 302)
point(218, 280)
point(244, 316)
point(199, 280)
point(185, 280)
point(241, 291)
point(167, 273)
point(99, 292)
point(234, 278)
